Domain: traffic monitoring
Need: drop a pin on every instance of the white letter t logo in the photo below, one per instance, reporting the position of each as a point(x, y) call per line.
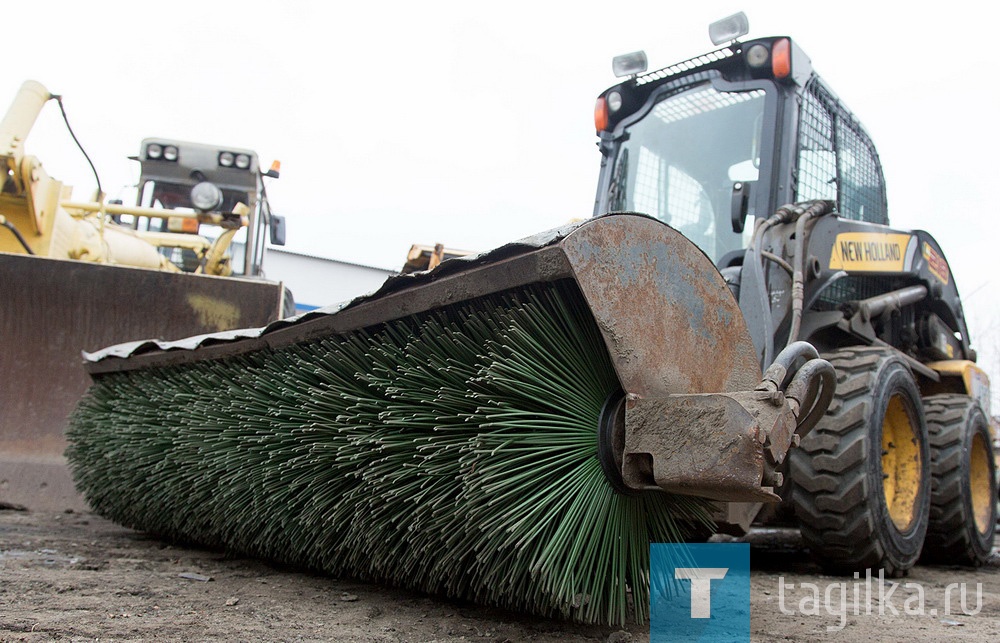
point(701, 587)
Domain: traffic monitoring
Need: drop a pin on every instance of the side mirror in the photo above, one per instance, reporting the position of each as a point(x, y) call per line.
point(740, 204)
point(277, 230)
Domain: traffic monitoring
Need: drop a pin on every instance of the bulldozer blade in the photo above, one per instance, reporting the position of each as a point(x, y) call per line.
point(52, 311)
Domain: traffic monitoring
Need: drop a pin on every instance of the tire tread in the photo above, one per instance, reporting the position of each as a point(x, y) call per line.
point(951, 535)
point(830, 488)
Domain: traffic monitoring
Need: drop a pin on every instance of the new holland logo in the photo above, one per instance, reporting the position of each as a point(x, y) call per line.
point(873, 252)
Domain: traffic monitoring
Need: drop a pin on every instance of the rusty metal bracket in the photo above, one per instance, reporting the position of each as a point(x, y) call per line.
point(714, 445)
point(724, 446)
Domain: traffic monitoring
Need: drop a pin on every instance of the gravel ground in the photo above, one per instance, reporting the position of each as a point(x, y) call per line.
point(78, 577)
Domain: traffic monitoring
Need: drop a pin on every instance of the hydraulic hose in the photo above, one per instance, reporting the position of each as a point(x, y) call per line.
point(800, 214)
point(813, 209)
point(20, 238)
point(813, 387)
point(62, 110)
point(781, 370)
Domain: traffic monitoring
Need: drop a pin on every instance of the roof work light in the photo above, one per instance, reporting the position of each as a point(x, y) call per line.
point(629, 64)
point(729, 28)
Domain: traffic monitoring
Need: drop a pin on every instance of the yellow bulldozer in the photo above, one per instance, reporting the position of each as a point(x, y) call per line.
point(185, 259)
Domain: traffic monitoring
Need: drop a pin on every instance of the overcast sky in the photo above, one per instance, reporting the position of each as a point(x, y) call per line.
point(471, 124)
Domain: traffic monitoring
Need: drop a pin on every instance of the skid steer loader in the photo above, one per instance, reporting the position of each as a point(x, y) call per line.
point(712, 144)
point(515, 428)
point(78, 275)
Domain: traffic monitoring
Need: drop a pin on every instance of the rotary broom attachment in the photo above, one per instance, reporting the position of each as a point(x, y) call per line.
point(500, 430)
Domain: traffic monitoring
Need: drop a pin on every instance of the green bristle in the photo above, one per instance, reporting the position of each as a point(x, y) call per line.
point(453, 453)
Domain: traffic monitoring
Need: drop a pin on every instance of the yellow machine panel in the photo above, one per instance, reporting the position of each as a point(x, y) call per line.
point(872, 252)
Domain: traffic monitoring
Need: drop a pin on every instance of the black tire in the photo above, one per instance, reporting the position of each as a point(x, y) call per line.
point(839, 490)
point(963, 513)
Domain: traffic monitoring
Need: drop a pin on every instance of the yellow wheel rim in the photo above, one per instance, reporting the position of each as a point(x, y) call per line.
point(901, 470)
point(979, 483)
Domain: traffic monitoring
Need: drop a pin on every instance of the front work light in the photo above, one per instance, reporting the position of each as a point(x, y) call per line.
point(170, 153)
point(226, 159)
point(206, 196)
point(614, 101)
point(758, 55)
point(154, 151)
point(729, 28)
point(629, 64)
point(242, 161)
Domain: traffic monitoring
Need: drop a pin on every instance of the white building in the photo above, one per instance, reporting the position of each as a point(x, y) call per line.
point(316, 281)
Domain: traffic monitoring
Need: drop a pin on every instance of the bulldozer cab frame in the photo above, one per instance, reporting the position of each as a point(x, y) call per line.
point(207, 179)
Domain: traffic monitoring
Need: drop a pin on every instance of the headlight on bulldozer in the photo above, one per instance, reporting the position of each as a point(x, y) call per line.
point(206, 196)
point(162, 152)
point(226, 159)
point(242, 161)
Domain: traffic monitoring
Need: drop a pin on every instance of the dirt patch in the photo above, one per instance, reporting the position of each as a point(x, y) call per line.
point(924, 605)
point(80, 577)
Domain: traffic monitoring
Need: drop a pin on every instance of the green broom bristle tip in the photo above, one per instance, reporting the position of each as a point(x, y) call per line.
point(454, 453)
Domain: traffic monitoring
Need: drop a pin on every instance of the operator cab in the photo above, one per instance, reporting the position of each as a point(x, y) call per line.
point(207, 179)
point(708, 144)
point(682, 156)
